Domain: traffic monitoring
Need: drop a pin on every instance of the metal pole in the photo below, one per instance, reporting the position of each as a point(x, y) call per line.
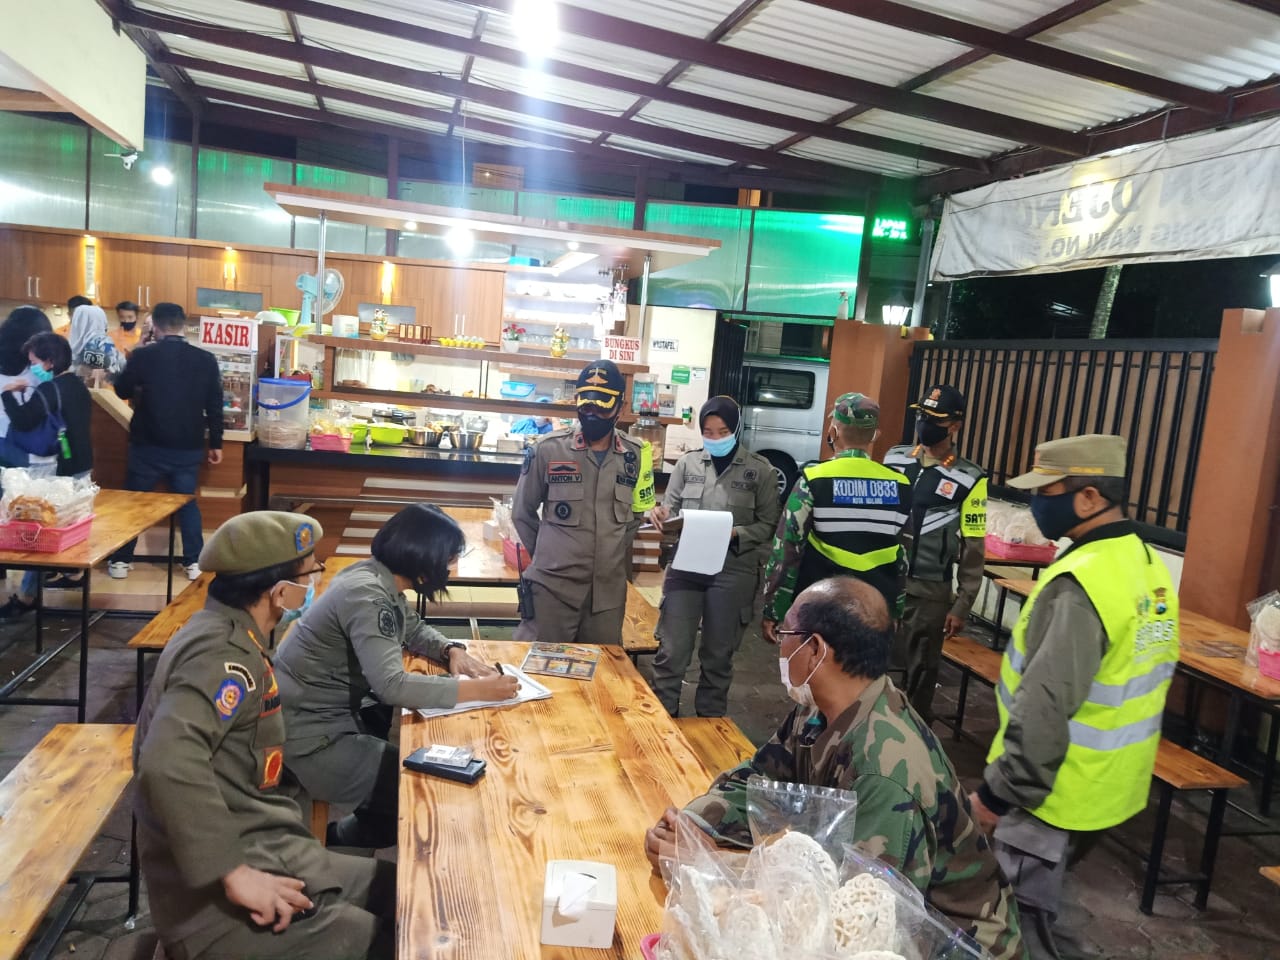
point(922, 273)
point(644, 301)
point(324, 226)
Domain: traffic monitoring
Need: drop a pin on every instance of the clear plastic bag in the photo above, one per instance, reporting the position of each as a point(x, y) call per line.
point(825, 814)
point(32, 496)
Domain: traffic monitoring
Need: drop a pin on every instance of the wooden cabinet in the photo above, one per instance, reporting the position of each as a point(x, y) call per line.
point(285, 270)
point(41, 267)
point(458, 302)
point(216, 268)
point(362, 283)
point(146, 273)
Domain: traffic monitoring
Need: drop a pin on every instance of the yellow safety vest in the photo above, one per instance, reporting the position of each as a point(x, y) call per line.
point(643, 495)
point(1106, 774)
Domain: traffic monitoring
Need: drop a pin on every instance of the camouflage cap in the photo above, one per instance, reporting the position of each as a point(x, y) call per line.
point(259, 539)
point(1089, 455)
point(856, 409)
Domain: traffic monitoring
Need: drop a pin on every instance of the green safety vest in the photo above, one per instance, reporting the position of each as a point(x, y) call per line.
point(1106, 775)
point(642, 494)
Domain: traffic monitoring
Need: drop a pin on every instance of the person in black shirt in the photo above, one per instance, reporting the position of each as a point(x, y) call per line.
point(57, 390)
point(176, 389)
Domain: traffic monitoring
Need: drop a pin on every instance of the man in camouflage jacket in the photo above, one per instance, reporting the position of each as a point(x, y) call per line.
point(912, 812)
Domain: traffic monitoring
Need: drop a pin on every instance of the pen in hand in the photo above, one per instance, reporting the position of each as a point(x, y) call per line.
point(498, 667)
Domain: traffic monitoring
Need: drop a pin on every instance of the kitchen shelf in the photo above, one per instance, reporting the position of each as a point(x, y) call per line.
point(490, 354)
point(448, 401)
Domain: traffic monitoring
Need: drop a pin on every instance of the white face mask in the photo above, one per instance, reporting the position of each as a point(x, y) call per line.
point(801, 694)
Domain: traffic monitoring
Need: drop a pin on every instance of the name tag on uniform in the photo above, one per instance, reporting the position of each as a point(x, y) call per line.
point(695, 478)
point(742, 485)
point(847, 492)
point(626, 481)
point(563, 471)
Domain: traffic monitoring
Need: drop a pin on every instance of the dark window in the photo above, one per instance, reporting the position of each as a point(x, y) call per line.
point(790, 389)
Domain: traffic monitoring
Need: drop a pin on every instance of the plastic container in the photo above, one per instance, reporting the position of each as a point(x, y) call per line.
point(290, 316)
point(1030, 552)
point(1268, 664)
point(517, 389)
point(283, 413)
point(386, 434)
point(332, 442)
point(28, 537)
point(509, 554)
point(649, 946)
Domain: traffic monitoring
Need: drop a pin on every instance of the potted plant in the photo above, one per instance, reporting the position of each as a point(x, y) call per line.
point(511, 335)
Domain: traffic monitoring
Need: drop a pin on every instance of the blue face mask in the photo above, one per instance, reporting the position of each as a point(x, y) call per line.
point(297, 612)
point(39, 374)
point(719, 448)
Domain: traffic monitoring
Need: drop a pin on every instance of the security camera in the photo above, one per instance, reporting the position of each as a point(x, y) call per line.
point(129, 159)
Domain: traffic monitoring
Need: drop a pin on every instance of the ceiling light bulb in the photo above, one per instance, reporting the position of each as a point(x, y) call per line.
point(460, 241)
point(162, 176)
point(536, 25)
point(411, 225)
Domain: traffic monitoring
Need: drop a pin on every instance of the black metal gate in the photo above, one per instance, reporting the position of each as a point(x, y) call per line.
point(1022, 392)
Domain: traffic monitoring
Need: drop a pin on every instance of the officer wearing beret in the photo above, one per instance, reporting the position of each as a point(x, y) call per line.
point(577, 506)
point(231, 869)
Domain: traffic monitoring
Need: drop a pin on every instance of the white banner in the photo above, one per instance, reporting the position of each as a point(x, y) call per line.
point(1195, 198)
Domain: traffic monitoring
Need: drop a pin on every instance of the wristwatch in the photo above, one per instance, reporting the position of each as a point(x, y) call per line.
point(450, 645)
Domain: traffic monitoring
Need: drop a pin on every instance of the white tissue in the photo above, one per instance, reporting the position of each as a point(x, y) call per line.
point(575, 895)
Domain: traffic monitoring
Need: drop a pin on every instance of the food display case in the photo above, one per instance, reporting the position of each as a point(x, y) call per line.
point(234, 343)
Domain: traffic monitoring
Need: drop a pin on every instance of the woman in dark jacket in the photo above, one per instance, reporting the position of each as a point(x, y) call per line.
point(56, 389)
point(20, 326)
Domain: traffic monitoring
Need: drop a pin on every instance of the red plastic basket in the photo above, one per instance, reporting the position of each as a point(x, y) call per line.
point(1269, 664)
point(509, 554)
point(1031, 552)
point(331, 442)
point(27, 537)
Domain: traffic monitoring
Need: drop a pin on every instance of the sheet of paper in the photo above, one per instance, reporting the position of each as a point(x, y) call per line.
point(704, 541)
point(529, 689)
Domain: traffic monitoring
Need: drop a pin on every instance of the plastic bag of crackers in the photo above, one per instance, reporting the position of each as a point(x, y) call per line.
point(48, 501)
point(802, 893)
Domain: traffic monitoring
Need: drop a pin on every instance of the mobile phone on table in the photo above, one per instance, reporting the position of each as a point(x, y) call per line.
point(421, 762)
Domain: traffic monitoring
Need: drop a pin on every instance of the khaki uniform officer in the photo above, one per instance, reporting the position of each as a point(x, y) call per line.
point(592, 484)
point(231, 869)
point(723, 475)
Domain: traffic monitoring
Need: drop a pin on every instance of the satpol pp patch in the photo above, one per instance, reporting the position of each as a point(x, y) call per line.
point(947, 489)
point(272, 767)
point(241, 673)
point(228, 698)
point(386, 622)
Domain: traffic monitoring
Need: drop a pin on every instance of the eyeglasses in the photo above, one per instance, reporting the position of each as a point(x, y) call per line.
point(792, 633)
point(311, 574)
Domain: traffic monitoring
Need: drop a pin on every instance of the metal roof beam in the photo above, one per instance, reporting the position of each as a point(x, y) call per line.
point(476, 32)
point(1247, 103)
point(152, 47)
point(1269, 6)
point(640, 36)
point(331, 13)
point(1028, 51)
point(502, 99)
point(311, 74)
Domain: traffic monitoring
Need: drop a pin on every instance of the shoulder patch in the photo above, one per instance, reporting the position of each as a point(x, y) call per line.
point(272, 767)
point(529, 454)
point(228, 698)
point(241, 673)
point(386, 622)
point(271, 696)
point(563, 510)
point(751, 474)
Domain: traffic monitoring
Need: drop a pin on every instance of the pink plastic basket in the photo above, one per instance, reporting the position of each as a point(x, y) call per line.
point(331, 442)
point(649, 946)
point(1269, 664)
point(1030, 552)
point(509, 554)
point(27, 537)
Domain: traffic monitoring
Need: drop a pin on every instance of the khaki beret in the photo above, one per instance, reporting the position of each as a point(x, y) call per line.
point(1088, 455)
point(260, 539)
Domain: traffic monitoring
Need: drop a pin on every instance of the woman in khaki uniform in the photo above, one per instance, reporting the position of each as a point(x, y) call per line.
point(723, 475)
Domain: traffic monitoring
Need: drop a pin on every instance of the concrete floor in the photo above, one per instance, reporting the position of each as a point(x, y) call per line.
point(1241, 923)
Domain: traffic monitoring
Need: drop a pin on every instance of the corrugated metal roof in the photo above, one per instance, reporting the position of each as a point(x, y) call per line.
point(376, 88)
point(532, 121)
point(218, 82)
point(860, 158)
point(505, 76)
point(1034, 93)
point(379, 46)
point(667, 153)
point(232, 56)
point(382, 116)
point(802, 33)
point(1003, 15)
point(928, 133)
point(711, 124)
point(225, 13)
point(585, 52)
point(759, 93)
point(1212, 44)
point(695, 18)
point(447, 16)
point(477, 136)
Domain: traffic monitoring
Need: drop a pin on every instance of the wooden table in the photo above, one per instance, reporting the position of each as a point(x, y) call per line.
point(119, 516)
point(482, 563)
point(580, 776)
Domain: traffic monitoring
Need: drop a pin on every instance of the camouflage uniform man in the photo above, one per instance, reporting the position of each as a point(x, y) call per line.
point(844, 516)
point(578, 504)
point(946, 533)
point(853, 730)
point(231, 869)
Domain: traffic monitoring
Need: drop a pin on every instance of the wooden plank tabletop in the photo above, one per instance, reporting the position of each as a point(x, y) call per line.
point(1022, 588)
point(52, 805)
point(119, 516)
point(483, 562)
point(580, 776)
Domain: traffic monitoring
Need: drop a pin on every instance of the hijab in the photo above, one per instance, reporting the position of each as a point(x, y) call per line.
point(87, 324)
point(727, 409)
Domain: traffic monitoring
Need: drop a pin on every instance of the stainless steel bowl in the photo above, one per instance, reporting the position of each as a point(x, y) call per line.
point(424, 436)
point(465, 439)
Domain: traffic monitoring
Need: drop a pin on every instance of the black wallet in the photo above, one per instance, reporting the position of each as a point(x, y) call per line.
point(418, 761)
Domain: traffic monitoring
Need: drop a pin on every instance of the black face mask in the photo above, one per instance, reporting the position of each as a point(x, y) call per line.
point(595, 428)
point(931, 434)
point(128, 326)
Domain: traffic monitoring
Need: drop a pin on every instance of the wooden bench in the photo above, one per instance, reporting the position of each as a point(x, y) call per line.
point(638, 625)
point(717, 742)
point(160, 629)
point(53, 805)
point(972, 659)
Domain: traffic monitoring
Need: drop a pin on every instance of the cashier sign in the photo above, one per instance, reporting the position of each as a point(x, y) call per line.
point(228, 333)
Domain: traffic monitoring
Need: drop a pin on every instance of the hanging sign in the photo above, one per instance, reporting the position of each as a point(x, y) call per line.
point(229, 334)
point(664, 346)
point(621, 349)
point(680, 374)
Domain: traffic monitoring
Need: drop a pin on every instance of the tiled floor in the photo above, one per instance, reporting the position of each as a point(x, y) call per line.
point(1242, 922)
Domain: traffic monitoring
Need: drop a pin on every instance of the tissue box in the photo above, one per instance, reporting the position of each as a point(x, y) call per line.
point(579, 904)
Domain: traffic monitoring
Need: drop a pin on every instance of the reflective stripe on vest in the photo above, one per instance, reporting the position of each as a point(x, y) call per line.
point(1105, 776)
point(861, 533)
point(857, 520)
